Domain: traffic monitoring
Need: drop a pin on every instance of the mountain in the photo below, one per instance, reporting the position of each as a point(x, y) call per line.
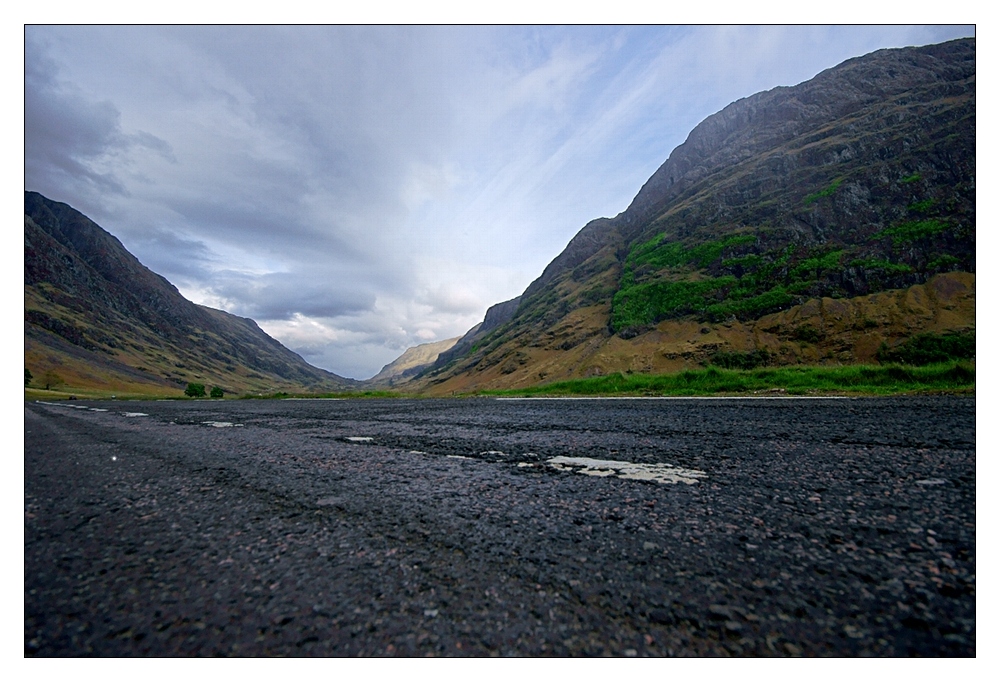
point(410, 363)
point(98, 318)
point(810, 223)
point(497, 315)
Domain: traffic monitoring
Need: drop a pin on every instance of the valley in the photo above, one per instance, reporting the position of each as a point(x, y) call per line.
point(824, 224)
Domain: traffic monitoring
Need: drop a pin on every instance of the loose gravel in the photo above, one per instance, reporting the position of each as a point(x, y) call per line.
point(465, 527)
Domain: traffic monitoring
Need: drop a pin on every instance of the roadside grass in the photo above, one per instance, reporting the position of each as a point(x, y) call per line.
point(952, 377)
point(327, 396)
point(876, 380)
point(83, 393)
point(71, 393)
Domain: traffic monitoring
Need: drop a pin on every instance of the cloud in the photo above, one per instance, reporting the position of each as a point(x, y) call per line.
point(275, 296)
point(452, 299)
point(71, 139)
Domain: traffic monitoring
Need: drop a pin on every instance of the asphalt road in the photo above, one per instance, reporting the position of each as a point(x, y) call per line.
point(467, 527)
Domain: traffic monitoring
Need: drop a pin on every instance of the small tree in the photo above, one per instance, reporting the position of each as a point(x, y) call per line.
point(27, 376)
point(195, 390)
point(217, 392)
point(51, 380)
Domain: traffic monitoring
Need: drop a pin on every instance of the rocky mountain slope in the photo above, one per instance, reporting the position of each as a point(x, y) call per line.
point(96, 317)
point(410, 363)
point(852, 192)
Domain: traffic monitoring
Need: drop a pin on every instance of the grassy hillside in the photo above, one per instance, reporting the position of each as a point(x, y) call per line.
point(823, 331)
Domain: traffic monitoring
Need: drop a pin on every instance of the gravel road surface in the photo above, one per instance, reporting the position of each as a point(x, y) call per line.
point(753, 527)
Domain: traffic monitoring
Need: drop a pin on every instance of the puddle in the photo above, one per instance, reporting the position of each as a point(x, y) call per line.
point(221, 425)
point(359, 439)
point(661, 473)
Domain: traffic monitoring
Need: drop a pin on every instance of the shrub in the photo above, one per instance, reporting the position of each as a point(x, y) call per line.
point(217, 392)
point(661, 255)
point(195, 390)
point(51, 380)
point(750, 308)
point(926, 349)
point(807, 333)
point(882, 265)
point(944, 262)
point(826, 192)
point(648, 303)
point(27, 376)
point(912, 230)
point(737, 360)
point(922, 206)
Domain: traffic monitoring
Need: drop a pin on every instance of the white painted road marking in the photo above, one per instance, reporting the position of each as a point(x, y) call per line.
point(662, 473)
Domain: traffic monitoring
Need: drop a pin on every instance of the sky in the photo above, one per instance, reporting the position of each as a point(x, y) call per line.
point(358, 190)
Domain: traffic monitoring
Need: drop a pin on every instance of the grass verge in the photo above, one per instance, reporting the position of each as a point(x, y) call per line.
point(327, 396)
point(952, 377)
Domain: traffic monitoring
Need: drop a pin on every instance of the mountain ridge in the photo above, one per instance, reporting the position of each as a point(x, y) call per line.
point(858, 181)
point(413, 361)
point(97, 317)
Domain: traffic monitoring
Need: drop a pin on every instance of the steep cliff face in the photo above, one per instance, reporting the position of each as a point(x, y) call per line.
point(96, 315)
point(859, 181)
point(496, 316)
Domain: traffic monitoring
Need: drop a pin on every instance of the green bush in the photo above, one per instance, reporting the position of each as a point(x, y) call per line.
point(827, 192)
point(815, 267)
point(922, 206)
point(50, 379)
point(217, 392)
point(195, 390)
point(675, 254)
point(880, 264)
point(926, 349)
point(912, 230)
point(807, 333)
point(648, 303)
point(737, 360)
point(943, 262)
point(750, 308)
